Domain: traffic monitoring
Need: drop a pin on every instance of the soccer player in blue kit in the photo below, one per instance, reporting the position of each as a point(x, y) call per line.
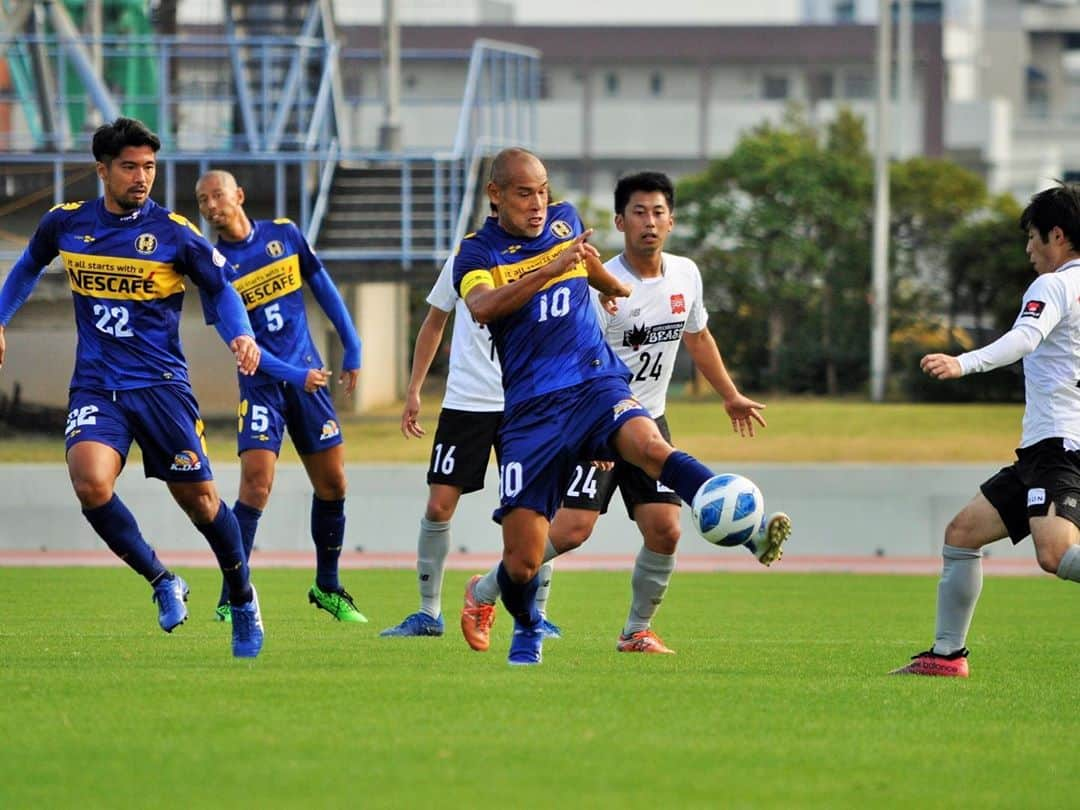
point(526, 275)
point(268, 264)
point(126, 258)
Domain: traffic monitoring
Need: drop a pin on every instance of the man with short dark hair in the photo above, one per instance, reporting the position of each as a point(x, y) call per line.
point(126, 260)
point(1039, 494)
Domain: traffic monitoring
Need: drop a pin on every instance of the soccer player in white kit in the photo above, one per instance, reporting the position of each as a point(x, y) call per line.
point(665, 307)
point(467, 431)
point(1039, 494)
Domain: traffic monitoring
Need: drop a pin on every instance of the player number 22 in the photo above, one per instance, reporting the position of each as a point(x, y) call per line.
point(113, 321)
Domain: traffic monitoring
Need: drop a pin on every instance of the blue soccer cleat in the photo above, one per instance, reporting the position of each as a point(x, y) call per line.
point(526, 647)
point(550, 629)
point(170, 595)
point(416, 624)
point(247, 628)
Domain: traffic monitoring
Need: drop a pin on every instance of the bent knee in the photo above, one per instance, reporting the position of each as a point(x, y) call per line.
point(92, 493)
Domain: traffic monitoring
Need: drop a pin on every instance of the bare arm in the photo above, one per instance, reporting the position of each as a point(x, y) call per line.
point(706, 356)
point(427, 343)
point(602, 280)
point(487, 303)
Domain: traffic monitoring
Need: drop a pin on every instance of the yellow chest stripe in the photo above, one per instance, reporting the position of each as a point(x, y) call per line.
point(503, 274)
point(269, 282)
point(120, 278)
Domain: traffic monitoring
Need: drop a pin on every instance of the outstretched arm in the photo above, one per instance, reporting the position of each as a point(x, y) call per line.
point(427, 343)
point(1018, 342)
point(21, 280)
point(706, 356)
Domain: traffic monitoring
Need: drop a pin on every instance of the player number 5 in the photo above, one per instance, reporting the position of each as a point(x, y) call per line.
point(274, 321)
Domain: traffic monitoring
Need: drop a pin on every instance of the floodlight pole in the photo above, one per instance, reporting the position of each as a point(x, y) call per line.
point(390, 131)
point(879, 293)
point(904, 79)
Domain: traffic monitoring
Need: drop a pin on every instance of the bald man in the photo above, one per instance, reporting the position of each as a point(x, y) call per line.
point(526, 275)
point(268, 263)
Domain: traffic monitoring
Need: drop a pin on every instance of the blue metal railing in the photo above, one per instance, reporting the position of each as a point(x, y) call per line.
point(271, 101)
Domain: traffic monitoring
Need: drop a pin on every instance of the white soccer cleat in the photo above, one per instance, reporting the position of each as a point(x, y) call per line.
point(768, 546)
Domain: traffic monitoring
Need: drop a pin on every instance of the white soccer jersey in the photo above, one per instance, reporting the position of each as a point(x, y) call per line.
point(1052, 372)
point(474, 382)
point(646, 330)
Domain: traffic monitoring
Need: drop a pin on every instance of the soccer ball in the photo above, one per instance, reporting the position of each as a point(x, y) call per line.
point(728, 509)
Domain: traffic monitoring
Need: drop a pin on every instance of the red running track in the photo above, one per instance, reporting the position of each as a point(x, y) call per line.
point(573, 562)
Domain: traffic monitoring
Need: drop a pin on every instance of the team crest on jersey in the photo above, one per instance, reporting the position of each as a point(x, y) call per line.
point(274, 249)
point(560, 229)
point(218, 258)
point(1033, 309)
point(186, 461)
point(330, 429)
point(146, 243)
point(678, 304)
point(624, 405)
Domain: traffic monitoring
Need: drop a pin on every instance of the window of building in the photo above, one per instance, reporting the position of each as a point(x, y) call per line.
point(411, 81)
point(611, 83)
point(545, 85)
point(844, 11)
point(656, 83)
point(774, 87)
point(821, 85)
point(858, 84)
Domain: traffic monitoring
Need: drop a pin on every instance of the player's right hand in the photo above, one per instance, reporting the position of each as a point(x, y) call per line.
point(410, 428)
point(941, 366)
point(3, 346)
point(316, 378)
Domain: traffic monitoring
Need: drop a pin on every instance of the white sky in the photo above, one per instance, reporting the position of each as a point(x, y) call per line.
point(550, 12)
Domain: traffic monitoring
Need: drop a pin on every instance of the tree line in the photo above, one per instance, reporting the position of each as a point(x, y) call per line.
point(782, 231)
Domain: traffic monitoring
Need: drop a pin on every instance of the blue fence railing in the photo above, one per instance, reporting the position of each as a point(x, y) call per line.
point(279, 103)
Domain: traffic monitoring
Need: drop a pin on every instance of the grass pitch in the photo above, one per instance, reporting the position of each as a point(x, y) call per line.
point(777, 698)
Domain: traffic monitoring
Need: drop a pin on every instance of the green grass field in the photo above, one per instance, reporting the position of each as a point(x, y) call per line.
point(777, 698)
point(800, 430)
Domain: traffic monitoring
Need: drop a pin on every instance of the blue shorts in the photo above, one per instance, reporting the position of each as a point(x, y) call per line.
point(162, 419)
point(543, 437)
point(267, 411)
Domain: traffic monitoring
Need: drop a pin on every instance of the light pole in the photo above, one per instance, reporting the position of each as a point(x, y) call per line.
point(879, 292)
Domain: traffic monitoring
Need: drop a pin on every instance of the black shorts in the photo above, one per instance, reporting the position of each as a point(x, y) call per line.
point(592, 489)
point(462, 448)
point(1044, 473)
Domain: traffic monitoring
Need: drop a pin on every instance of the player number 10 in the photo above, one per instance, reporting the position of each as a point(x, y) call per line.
point(560, 304)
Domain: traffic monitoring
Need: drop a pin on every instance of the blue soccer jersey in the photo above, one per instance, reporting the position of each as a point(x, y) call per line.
point(268, 269)
point(127, 281)
point(554, 341)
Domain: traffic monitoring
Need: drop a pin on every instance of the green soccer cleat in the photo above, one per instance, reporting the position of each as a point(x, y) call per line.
point(337, 603)
point(223, 613)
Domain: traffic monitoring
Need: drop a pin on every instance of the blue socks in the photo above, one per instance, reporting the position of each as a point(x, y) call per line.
point(223, 535)
point(115, 524)
point(328, 533)
point(248, 518)
point(519, 598)
point(684, 474)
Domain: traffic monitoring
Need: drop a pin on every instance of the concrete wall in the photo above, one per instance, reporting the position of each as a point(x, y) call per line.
point(841, 510)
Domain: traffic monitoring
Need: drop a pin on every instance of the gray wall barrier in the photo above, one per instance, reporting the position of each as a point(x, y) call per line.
point(838, 510)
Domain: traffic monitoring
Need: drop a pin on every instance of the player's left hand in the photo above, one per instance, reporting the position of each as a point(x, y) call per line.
point(316, 378)
point(744, 412)
point(604, 466)
point(247, 353)
point(3, 346)
point(609, 303)
point(349, 378)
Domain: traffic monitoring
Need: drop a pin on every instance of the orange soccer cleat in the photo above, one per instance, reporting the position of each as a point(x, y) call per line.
point(476, 619)
point(953, 665)
point(643, 641)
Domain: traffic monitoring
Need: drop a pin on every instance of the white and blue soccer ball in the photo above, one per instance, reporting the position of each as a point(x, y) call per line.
point(728, 509)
